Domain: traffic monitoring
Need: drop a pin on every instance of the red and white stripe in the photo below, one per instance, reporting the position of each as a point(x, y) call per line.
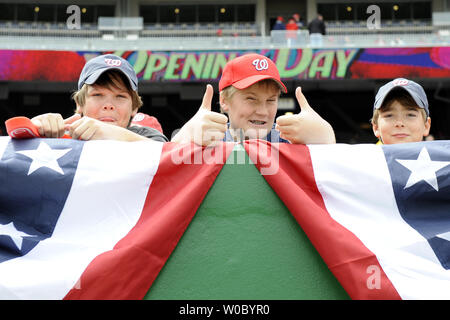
point(342, 197)
point(128, 207)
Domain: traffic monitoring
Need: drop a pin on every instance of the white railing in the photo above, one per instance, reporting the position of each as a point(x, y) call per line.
point(385, 27)
point(441, 18)
point(58, 37)
point(121, 23)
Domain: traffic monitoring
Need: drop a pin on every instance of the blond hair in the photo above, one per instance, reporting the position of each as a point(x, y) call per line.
point(110, 79)
point(229, 91)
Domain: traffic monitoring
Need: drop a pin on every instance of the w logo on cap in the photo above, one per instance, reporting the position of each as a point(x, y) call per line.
point(260, 64)
point(113, 62)
point(400, 82)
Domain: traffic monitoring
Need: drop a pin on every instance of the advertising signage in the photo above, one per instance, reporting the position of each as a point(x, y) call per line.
point(206, 66)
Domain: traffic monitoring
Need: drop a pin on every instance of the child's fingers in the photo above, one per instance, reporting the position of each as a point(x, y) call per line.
point(212, 137)
point(56, 129)
point(81, 130)
point(285, 120)
point(49, 125)
point(216, 118)
point(72, 118)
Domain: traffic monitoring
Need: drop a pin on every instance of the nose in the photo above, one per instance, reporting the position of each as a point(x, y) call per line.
point(108, 106)
point(399, 122)
point(262, 110)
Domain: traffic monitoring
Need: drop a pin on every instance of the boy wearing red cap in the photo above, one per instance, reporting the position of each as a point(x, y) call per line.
point(250, 87)
point(279, 24)
point(107, 99)
point(401, 112)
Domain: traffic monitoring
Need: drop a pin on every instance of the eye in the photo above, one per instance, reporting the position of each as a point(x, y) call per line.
point(412, 114)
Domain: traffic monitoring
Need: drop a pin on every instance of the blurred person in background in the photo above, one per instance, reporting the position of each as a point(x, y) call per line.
point(279, 24)
point(291, 31)
point(317, 25)
point(298, 21)
point(291, 25)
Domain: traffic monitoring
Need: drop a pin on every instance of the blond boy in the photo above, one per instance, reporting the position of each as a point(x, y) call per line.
point(250, 88)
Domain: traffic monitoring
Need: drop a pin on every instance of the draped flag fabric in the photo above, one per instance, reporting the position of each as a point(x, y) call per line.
point(97, 219)
point(379, 216)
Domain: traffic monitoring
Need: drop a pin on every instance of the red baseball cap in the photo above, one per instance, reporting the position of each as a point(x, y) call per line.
point(248, 69)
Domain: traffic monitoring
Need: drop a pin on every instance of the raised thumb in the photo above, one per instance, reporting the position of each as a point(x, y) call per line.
point(207, 97)
point(304, 105)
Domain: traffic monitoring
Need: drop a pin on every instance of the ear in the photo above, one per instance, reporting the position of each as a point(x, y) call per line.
point(376, 130)
point(79, 109)
point(223, 103)
point(427, 127)
point(133, 113)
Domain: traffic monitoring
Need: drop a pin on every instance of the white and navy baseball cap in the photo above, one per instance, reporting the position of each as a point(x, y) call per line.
point(414, 89)
point(94, 68)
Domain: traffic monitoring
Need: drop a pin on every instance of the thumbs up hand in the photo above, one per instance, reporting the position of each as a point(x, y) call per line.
point(206, 127)
point(307, 127)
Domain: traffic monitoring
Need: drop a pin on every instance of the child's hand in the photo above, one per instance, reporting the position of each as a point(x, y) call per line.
point(307, 127)
point(87, 128)
point(52, 125)
point(206, 127)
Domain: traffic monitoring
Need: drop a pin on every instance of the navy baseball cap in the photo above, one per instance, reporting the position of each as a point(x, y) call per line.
point(414, 89)
point(96, 66)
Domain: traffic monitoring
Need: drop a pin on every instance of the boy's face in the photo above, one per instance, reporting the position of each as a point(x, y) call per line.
point(253, 109)
point(108, 104)
point(399, 124)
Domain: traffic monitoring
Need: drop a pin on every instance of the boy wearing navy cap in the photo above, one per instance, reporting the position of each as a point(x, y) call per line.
point(401, 112)
point(250, 87)
point(106, 100)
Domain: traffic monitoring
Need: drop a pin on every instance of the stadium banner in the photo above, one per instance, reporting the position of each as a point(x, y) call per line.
point(206, 66)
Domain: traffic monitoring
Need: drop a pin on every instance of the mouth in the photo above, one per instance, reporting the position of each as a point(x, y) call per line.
point(107, 119)
point(258, 123)
point(400, 135)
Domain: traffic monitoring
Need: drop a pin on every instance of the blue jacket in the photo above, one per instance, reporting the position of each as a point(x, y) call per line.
point(273, 136)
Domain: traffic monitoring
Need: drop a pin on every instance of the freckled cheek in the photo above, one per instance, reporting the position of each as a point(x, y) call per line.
point(240, 115)
point(384, 129)
point(420, 130)
point(382, 124)
point(91, 110)
point(273, 112)
point(124, 117)
point(241, 120)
